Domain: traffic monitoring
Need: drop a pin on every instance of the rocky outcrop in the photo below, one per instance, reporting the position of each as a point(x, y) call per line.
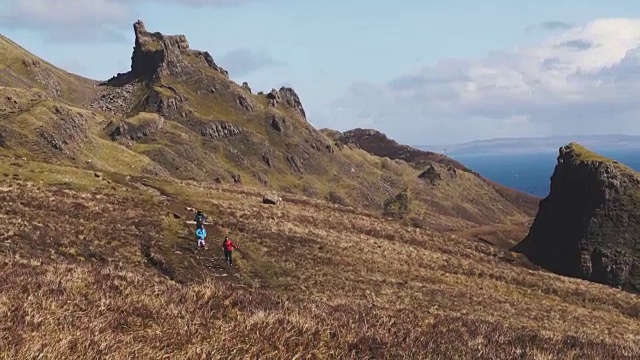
point(430, 175)
point(156, 54)
point(267, 160)
point(68, 129)
point(589, 225)
point(115, 100)
point(167, 103)
point(295, 164)
point(43, 76)
point(132, 132)
point(261, 178)
point(277, 123)
point(286, 96)
point(435, 173)
point(319, 145)
point(397, 206)
point(453, 173)
point(246, 103)
point(220, 130)
point(164, 54)
point(377, 143)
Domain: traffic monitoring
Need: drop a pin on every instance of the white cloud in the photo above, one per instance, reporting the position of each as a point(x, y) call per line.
point(67, 20)
point(582, 79)
point(84, 20)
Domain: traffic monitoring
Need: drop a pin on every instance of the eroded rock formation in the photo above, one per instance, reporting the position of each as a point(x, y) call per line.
point(589, 225)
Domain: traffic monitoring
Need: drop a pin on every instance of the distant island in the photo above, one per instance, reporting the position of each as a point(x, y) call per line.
point(535, 145)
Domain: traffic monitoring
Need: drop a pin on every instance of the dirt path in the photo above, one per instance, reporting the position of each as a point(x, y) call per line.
point(212, 257)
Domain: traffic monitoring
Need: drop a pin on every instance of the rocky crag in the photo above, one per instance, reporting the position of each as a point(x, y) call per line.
point(589, 225)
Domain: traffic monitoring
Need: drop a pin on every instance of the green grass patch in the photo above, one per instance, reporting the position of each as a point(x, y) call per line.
point(151, 45)
point(581, 153)
point(49, 174)
point(107, 155)
point(143, 117)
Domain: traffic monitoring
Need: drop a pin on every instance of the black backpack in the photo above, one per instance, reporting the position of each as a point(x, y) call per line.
point(200, 218)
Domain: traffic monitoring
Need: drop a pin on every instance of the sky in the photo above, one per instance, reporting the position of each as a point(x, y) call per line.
point(423, 72)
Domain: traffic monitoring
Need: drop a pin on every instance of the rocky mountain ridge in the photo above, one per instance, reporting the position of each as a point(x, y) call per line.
point(177, 115)
point(379, 144)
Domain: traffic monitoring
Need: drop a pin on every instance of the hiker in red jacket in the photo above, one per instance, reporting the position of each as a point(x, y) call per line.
point(228, 247)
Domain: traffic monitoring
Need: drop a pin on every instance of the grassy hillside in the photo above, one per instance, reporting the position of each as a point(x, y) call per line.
point(368, 256)
point(21, 69)
point(483, 196)
point(109, 269)
point(177, 115)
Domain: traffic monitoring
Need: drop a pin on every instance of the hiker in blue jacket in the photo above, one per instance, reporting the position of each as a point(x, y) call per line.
point(201, 234)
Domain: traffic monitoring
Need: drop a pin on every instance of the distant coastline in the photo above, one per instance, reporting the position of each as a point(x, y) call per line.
point(541, 145)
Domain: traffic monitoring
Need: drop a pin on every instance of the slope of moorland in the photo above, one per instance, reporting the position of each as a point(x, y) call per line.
point(102, 265)
point(437, 169)
point(97, 260)
point(589, 224)
point(21, 69)
point(177, 114)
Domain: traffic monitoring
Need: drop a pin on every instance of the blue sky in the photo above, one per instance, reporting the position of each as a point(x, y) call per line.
point(409, 68)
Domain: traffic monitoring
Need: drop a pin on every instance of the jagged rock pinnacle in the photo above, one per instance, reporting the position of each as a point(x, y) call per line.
point(155, 54)
point(139, 28)
point(286, 96)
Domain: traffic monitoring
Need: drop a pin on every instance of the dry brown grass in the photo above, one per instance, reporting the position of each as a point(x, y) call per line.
point(320, 281)
point(58, 311)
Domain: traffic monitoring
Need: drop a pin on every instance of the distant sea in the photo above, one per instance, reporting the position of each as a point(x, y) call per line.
point(531, 173)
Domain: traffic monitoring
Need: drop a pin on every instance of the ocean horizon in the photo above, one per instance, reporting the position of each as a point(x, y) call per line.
point(531, 173)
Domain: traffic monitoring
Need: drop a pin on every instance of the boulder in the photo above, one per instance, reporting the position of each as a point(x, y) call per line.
point(271, 199)
point(397, 206)
point(431, 175)
point(219, 130)
point(286, 96)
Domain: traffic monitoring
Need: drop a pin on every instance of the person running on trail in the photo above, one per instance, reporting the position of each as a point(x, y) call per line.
point(201, 234)
point(200, 218)
point(228, 247)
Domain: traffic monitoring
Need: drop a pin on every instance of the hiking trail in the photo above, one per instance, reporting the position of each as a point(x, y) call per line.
point(211, 258)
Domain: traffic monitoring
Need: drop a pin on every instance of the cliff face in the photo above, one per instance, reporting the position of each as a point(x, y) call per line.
point(156, 55)
point(156, 52)
point(589, 225)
